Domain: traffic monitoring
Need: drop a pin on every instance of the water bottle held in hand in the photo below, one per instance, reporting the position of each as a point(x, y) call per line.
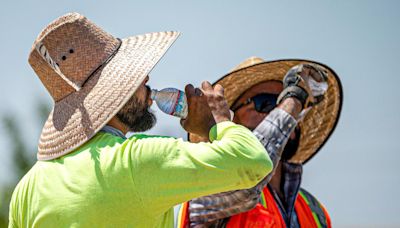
point(171, 101)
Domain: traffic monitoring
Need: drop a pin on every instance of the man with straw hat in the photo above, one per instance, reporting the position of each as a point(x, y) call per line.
point(88, 173)
point(256, 91)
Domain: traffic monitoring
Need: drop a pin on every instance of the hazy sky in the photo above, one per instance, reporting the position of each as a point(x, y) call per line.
point(354, 175)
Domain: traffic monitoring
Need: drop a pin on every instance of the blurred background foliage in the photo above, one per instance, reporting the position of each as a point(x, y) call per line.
point(23, 154)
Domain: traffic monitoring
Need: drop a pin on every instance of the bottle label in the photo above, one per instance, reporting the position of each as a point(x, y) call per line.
point(180, 107)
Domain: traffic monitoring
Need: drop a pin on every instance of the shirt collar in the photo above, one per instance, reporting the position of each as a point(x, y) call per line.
point(291, 180)
point(113, 131)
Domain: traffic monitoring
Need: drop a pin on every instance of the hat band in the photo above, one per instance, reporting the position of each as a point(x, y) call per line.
point(105, 62)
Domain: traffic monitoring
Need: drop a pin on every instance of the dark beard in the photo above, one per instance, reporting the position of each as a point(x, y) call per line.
point(291, 146)
point(136, 115)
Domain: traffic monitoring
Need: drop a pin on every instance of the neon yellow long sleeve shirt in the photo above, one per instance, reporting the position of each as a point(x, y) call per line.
point(112, 182)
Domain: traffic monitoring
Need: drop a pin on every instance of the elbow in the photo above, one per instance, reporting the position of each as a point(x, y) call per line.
point(256, 170)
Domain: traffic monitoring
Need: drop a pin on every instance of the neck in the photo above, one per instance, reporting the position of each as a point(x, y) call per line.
point(115, 123)
point(275, 181)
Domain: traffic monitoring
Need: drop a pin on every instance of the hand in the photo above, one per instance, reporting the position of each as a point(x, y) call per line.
point(217, 102)
point(206, 107)
point(306, 82)
point(315, 79)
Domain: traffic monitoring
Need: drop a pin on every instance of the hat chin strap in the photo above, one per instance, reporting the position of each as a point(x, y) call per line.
point(42, 50)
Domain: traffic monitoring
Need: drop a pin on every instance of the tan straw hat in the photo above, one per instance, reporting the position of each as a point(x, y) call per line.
point(90, 75)
point(319, 123)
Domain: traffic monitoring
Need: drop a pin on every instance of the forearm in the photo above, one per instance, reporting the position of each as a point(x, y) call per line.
point(245, 148)
point(292, 106)
point(273, 132)
point(234, 160)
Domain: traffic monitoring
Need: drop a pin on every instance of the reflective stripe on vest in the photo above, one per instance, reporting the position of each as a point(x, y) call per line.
point(183, 216)
point(316, 208)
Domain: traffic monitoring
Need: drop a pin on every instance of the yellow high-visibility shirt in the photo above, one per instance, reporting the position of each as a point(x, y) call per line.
point(112, 182)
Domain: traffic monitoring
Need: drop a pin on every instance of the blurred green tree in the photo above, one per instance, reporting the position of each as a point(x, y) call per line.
point(22, 155)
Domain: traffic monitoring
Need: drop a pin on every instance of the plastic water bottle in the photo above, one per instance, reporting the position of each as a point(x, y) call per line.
point(171, 101)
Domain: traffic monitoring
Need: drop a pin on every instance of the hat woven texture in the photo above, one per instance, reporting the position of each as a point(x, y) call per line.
point(90, 75)
point(318, 124)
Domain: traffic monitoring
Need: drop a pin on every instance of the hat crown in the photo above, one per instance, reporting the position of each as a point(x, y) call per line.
point(68, 51)
point(248, 62)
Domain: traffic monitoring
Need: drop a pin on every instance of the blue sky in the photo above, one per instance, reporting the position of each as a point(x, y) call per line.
point(354, 175)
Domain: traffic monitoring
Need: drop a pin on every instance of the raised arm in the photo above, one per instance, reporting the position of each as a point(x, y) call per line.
point(273, 132)
point(170, 171)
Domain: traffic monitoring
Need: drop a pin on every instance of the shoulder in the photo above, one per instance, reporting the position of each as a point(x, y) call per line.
point(306, 194)
point(153, 149)
point(309, 198)
point(150, 142)
point(316, 207)
point(20, 196)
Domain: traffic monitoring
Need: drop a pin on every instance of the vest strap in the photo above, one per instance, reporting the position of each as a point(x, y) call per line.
point(316, 208)
point(310, 210)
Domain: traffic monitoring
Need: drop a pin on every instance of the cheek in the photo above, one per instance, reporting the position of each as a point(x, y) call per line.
point(249, 118)
point(141, 93)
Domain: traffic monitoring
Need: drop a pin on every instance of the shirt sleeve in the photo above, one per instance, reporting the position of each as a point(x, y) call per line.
point(273, 132)
point(12, 213)
point(169, 171)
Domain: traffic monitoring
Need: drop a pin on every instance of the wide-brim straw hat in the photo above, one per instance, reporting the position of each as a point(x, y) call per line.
point(318, 124)
point(90, 74)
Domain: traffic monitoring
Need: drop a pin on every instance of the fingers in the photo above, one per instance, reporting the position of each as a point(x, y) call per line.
point(219, 89)
point(323, 72)
point(198, 92)
point(312, 71)
point(189, 90)
point(317, 72)
point(205, 85)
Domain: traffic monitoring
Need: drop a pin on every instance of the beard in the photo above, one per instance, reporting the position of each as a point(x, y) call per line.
point(136, 116)
point(291, 146)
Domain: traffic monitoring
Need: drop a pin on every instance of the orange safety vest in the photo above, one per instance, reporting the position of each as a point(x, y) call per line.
point(310, 213)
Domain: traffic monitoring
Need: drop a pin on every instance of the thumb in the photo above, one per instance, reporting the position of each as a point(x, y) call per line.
point(219, 89)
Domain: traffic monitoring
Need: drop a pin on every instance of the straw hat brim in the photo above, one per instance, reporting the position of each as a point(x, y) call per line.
point(79, 116)
point(319, 123)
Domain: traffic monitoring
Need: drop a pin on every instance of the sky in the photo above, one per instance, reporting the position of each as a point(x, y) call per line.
point(354, 175)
